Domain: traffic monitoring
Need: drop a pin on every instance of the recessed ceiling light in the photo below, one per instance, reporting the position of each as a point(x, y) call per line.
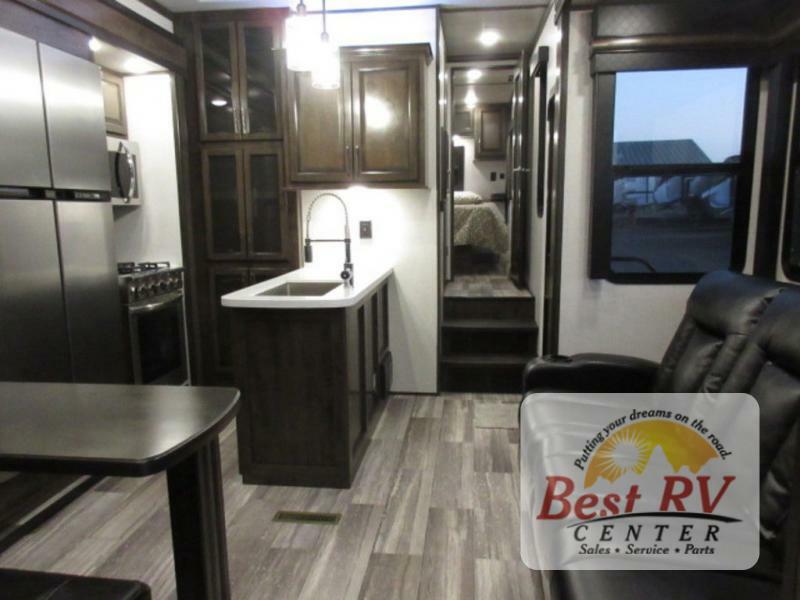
point(473, 75)
point(136, 64)
point(471, 99)
point(219, 102)
point(94, 44)
point(489, 37)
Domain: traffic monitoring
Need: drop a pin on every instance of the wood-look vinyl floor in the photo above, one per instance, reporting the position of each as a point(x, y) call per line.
point(483, 286)
point(433, 514)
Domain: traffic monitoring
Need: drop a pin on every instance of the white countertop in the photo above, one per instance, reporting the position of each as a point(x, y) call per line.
point(366, 279)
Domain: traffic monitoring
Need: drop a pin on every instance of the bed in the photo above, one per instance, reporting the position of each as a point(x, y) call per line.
point(480, 224)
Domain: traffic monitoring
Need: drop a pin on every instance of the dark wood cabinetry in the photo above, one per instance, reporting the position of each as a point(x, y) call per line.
point(491, 130)
point(371, 130)
point(462, 121)
point(246, 210)
point(238, 77)
point(311, 389)
point(244, 219)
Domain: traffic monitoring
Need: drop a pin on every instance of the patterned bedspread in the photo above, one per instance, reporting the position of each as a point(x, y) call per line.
point(480, 225)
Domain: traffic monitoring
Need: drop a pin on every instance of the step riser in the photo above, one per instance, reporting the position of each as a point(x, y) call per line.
point(488, 342)
point(489, 308)
point(499, 380)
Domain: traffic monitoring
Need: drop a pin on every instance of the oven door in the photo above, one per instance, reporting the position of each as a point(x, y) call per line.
point(157, 336)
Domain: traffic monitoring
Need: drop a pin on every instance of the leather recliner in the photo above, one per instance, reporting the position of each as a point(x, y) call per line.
point(722, 311)
point(740, 334)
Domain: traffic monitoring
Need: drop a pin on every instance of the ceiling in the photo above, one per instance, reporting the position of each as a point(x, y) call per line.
point(493, 86)
point(194, 5)
point(517, 28)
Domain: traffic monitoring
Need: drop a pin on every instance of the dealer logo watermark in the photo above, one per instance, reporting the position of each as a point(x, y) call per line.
point(639, 481)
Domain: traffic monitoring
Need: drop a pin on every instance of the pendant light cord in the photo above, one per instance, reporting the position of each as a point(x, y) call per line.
point(324, 20)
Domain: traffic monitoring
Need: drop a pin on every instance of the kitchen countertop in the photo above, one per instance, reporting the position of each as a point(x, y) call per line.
point(366, 280)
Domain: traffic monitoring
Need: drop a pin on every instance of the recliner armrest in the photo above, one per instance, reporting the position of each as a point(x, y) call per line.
point(589, 373)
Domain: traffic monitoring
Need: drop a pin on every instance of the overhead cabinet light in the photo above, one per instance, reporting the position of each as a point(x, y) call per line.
point(325, 73)
point(302, 40)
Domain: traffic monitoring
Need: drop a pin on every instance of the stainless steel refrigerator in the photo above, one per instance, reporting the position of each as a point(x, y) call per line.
point(60, 313)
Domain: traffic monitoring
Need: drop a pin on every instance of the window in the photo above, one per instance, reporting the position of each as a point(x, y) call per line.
point(672, 174)
point(791, 232)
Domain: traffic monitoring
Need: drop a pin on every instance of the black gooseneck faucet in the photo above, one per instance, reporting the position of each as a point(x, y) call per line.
point(347, 273)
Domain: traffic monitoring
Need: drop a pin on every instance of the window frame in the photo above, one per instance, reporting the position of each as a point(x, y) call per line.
point(604, 173)
point(792, 186)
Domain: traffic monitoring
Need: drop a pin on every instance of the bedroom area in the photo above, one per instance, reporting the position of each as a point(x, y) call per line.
point(488, 326)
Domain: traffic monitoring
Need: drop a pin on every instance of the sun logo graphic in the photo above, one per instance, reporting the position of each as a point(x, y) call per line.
point(629, 450)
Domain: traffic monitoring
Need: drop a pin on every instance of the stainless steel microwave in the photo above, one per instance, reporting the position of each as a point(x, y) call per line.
point(123, 166)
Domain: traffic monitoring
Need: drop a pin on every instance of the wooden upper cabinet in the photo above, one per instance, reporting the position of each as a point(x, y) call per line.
point(371, 130)
point(320, 135)
point(491, 129)
point(114, 103)
point(238, 80)
point(388, 126)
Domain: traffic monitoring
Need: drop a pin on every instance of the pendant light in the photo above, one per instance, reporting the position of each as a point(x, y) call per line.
point(325, 72)
point(301, 40)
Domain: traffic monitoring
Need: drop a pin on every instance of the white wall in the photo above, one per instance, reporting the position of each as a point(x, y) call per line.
point(477, 173)
point(597, 315)
point(404, 221)
point(152, 231)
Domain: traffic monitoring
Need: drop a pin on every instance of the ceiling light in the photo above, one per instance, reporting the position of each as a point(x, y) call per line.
point(489, 37)
point(219, 102)
point(473, 75)
point(94, 44)
point(301, 40)
point(326, 70)
point(471, 99)
point(137, 65)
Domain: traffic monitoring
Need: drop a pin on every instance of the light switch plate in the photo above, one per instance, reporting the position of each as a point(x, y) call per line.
point(365, 230)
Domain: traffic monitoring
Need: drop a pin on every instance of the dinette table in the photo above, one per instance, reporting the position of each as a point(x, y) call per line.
point(134, 431)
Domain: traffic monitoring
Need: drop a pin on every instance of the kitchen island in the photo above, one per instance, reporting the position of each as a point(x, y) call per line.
point(311, 358)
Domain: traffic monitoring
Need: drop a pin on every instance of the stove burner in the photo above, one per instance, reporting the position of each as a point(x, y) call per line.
point(126, 268)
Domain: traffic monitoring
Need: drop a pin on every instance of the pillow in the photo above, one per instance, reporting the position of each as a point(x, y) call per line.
point(467, 198)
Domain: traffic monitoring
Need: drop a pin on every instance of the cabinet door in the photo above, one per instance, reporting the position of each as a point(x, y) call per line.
point(388, 122)
point(217, 81)
point(223, 195)
point(259, 83)
point(224, 280)
point(267, 208)
point(320, 136)
point(491, 127)
point(114, 103)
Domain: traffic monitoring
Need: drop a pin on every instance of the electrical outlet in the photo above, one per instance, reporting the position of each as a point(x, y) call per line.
point(365, 230)
point(502, 175)
point(493, 176)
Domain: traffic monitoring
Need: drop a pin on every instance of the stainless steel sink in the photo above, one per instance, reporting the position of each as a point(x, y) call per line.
point(302, 288)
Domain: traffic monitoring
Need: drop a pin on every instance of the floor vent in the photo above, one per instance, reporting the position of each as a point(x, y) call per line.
point(313, 518)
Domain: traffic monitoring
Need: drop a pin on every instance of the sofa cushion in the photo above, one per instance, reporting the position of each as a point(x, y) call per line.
point(722, 310)
point(34, 585)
